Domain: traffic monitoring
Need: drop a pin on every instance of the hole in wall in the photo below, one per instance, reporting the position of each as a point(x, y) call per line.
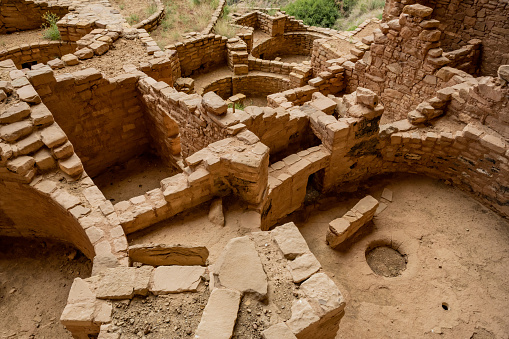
point(445, 306)
point(28, 64)
point(386, 260)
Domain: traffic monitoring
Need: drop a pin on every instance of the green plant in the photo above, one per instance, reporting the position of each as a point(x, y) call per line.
point(151, 9)
point(122, 6)
point(352, 28)
point(224, 28)
point(272, 12)
point(238, 105)
point(380, 16)
point(322, 13)
point(50, 27)
point(133, 19)
point(214, 4)
point(195, 2)
point(226, 11)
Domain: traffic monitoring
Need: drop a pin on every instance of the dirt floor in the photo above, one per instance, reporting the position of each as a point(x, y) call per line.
point(166, 316)
point(18, 38)
point(111, 64)
point(341, 46)
point(135, 11)
point(366, 31)
point(457, 252)
point(134, 178)
point(295, 58)
point(35, 279)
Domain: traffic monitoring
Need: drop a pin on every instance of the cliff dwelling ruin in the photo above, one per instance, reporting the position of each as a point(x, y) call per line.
point(290, 181)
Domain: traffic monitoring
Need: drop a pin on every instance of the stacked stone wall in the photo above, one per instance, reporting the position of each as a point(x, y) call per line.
point(252, 85)
point(287, 44)
point(199, 55)
point(19, 15)
point(86, 105)
point(41, 52)
point(464, 20)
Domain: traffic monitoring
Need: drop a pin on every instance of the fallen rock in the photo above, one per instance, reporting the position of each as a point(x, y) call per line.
point(290, 241)
point(216, 215)
point(213, 102)
point(503, 72)
point(278, 331)
point(165, 255)
point(303, 267)
point(116, 283)
point(70, 59)
point(239, 268)
point(219, 316)
point(176, 279)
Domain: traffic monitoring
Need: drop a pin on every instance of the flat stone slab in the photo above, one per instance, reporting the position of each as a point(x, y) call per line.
point(239, 268)
point(278, 331)
point(165, 255)
point(323, 293)
point(220, 315)
point(303, 267)
point(290, 241)
point(116, 283)
point(176, 279)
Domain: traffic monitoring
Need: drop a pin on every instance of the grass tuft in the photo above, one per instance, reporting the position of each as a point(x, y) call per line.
point(50, 27)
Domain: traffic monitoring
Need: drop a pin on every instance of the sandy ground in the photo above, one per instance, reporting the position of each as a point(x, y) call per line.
point(457, 252)
point(18, 38)
point(295, 58)
point(366, 31)
point(35, 279)
point(136, 177)
point(122, 52)
point(130, 8)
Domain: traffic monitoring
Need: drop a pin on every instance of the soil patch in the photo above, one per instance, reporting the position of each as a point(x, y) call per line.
point(135, 11)
point(136, 177)
point(160, 317)
point(121, 53)
point(35, 279)
point(298, 59)
point(386, 261)
point(17, 39)
point(340, 46)
point(367, 31)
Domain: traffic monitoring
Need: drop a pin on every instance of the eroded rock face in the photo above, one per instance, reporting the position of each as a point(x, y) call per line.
point(216, 215)
point(162, 255)
point(240, 268)
point(213, 103)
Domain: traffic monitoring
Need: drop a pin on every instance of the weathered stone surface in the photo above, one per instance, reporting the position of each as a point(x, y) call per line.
point(303, 316)
point(176, 279)
point(15, 113)
point(366, 97)
point(116, 283)
point(323, 293)
point(84, 53)
point(503, 72)
point(53, 136)
point(99, 47)
point(78, 314)
point(41, 115)
point(14, 131)
point(21, 165)
point(162, 255)
point(278, 331)
point(142, 278)
point(239, 267)
point(44, 160)
point(213, 103)
point(70, 59)
point(417, 10)
point(290, 241)
point(71, 166)
point(220, 315)
point(216, 215)
point(303, 267)
point(56, 64)
point(27, 93)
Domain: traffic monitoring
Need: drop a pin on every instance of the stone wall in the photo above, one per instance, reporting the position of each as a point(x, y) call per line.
point(19, 15)
point(41, 52)
point(151, 23)
point(199, 55)
point(251, 85)
point(86, 105)
point(287, 44)
point(464, 20)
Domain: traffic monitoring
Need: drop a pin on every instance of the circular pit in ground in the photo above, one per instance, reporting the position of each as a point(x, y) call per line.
point(386, 261)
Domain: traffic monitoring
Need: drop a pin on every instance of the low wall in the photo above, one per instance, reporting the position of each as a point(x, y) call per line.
point(151, 23)
point(19, 15)
point(287, 44)
point(199, 55)
point(41, 52)
point(250, 85)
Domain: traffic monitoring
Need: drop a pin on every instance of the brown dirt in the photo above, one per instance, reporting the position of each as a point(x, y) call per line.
point(386, 261)
point(159, 317)
point(35, 279)
point(341, 46)
point(131, 8)
point(18, 38)
point(259, 101)
point(136, 177)
point(295, 58)
point(366, 31)
point(122, 52)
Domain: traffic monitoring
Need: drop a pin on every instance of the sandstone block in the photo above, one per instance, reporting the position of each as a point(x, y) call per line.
point(53, 136)
point(367, 97)
point(44, 160)
point(303, 267)
point(213, 103)
point(15, 113)
point(72, 166)
point(418, 10)
point(3, 95)
point(41, 76)
point(503, 72)
point(161, 255)
point(56, 64)
point(176, 279)
point(322, 293)
point(27, 93)
point(15, 131)
point(28, 145)
point(116, 283)
point(303, 316)
point(84, 53)
point(99, 47)
point(278, 331)
point(21, 165)
point(239, 268)
point(290, 241)
point(220, 315)
point(70, 59)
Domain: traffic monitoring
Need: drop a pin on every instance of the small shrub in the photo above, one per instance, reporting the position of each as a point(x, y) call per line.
point(195, 2)
point(214, 4)
point(122, 6)
point(352, 28)
point(224, 28)
point(50, 26)
point(238, 105)
point(272, 12)
point(380, 16)
point(166, 24)
point(133, 19)
point(226, 11)
point(151, 9)
point(323, 13)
